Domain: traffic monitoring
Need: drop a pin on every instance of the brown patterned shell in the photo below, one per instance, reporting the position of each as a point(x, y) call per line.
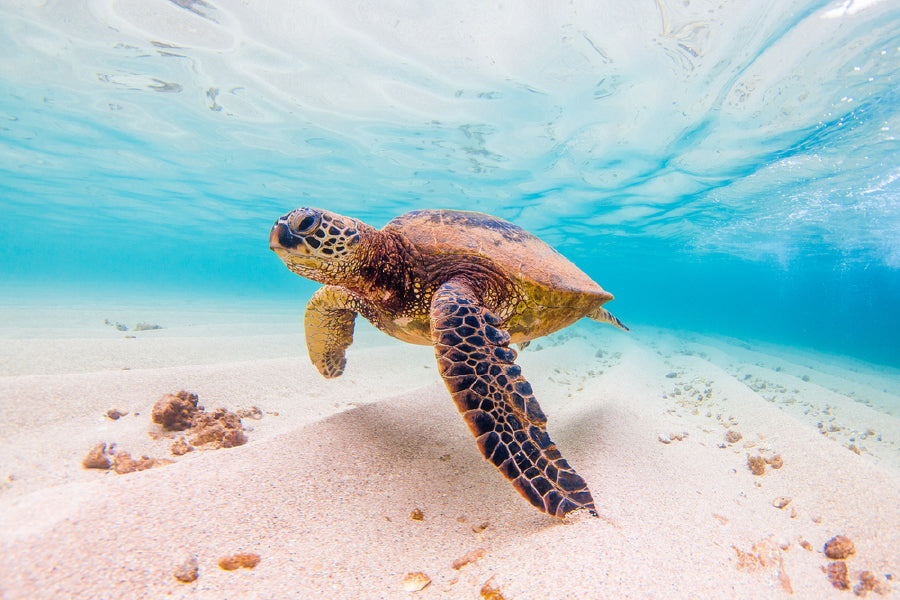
point(520, 254)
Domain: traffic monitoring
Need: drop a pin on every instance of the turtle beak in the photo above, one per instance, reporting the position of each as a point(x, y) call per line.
point(288, 246)
point(284, 242)
point(277, 238)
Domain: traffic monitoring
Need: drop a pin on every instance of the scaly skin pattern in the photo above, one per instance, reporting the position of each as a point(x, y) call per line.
point(329, 320)
point(496, 402)
point(468, 284)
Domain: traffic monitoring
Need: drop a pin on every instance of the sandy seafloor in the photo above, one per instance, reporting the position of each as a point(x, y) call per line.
point(324, 489)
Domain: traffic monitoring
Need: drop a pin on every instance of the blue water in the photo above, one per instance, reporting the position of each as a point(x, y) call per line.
point(731, 169)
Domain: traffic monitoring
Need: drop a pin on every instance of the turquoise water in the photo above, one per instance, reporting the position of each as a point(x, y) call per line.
point(731, 169)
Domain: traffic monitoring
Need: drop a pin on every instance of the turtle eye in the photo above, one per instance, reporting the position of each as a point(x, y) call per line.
point(305, 225)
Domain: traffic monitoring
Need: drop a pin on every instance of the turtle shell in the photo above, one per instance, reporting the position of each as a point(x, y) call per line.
point(522, 255)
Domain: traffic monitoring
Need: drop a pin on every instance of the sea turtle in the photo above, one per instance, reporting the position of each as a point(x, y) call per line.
point(469, 284)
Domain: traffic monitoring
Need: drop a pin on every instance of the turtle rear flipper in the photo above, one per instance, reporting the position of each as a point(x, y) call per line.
point(329, 319)
point(496, 402)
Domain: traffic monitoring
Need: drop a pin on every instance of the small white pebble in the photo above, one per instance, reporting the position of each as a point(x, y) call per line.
point(781, 501)
point(665, 439)
point(413, 582)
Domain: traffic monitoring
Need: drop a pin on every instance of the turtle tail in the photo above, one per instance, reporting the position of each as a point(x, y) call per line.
point(604, 316)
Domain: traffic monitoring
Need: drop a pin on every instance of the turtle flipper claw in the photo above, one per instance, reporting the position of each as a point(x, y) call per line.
point(497, 403)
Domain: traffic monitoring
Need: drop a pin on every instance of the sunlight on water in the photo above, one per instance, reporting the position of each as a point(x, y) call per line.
point(726, 166)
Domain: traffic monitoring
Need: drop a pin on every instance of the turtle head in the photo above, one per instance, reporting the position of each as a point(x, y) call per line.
point(318, 244)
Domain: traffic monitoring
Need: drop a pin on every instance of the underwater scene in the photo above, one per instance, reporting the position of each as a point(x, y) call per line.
point(184, 418)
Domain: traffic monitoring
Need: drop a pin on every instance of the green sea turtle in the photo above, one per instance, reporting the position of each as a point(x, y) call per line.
point(469, 284)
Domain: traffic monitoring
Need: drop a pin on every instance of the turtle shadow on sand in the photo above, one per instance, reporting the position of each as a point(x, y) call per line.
point(415, 441)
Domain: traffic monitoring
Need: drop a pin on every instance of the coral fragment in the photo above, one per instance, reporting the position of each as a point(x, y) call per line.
point(776, 461)
point(96, 458)
point(246, 560)
point(839, 547)
point(467, 558)
point(175, 412)
point(187, 571)
point(837, 575)
point(756, 464)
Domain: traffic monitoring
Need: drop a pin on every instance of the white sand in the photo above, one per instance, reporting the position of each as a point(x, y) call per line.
point(323, 491)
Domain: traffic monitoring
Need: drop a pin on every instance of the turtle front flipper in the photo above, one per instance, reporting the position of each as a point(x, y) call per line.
point(329, 320)
point(496, 401)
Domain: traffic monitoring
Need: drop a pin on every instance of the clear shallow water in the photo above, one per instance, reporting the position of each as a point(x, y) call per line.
point(731, 169)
